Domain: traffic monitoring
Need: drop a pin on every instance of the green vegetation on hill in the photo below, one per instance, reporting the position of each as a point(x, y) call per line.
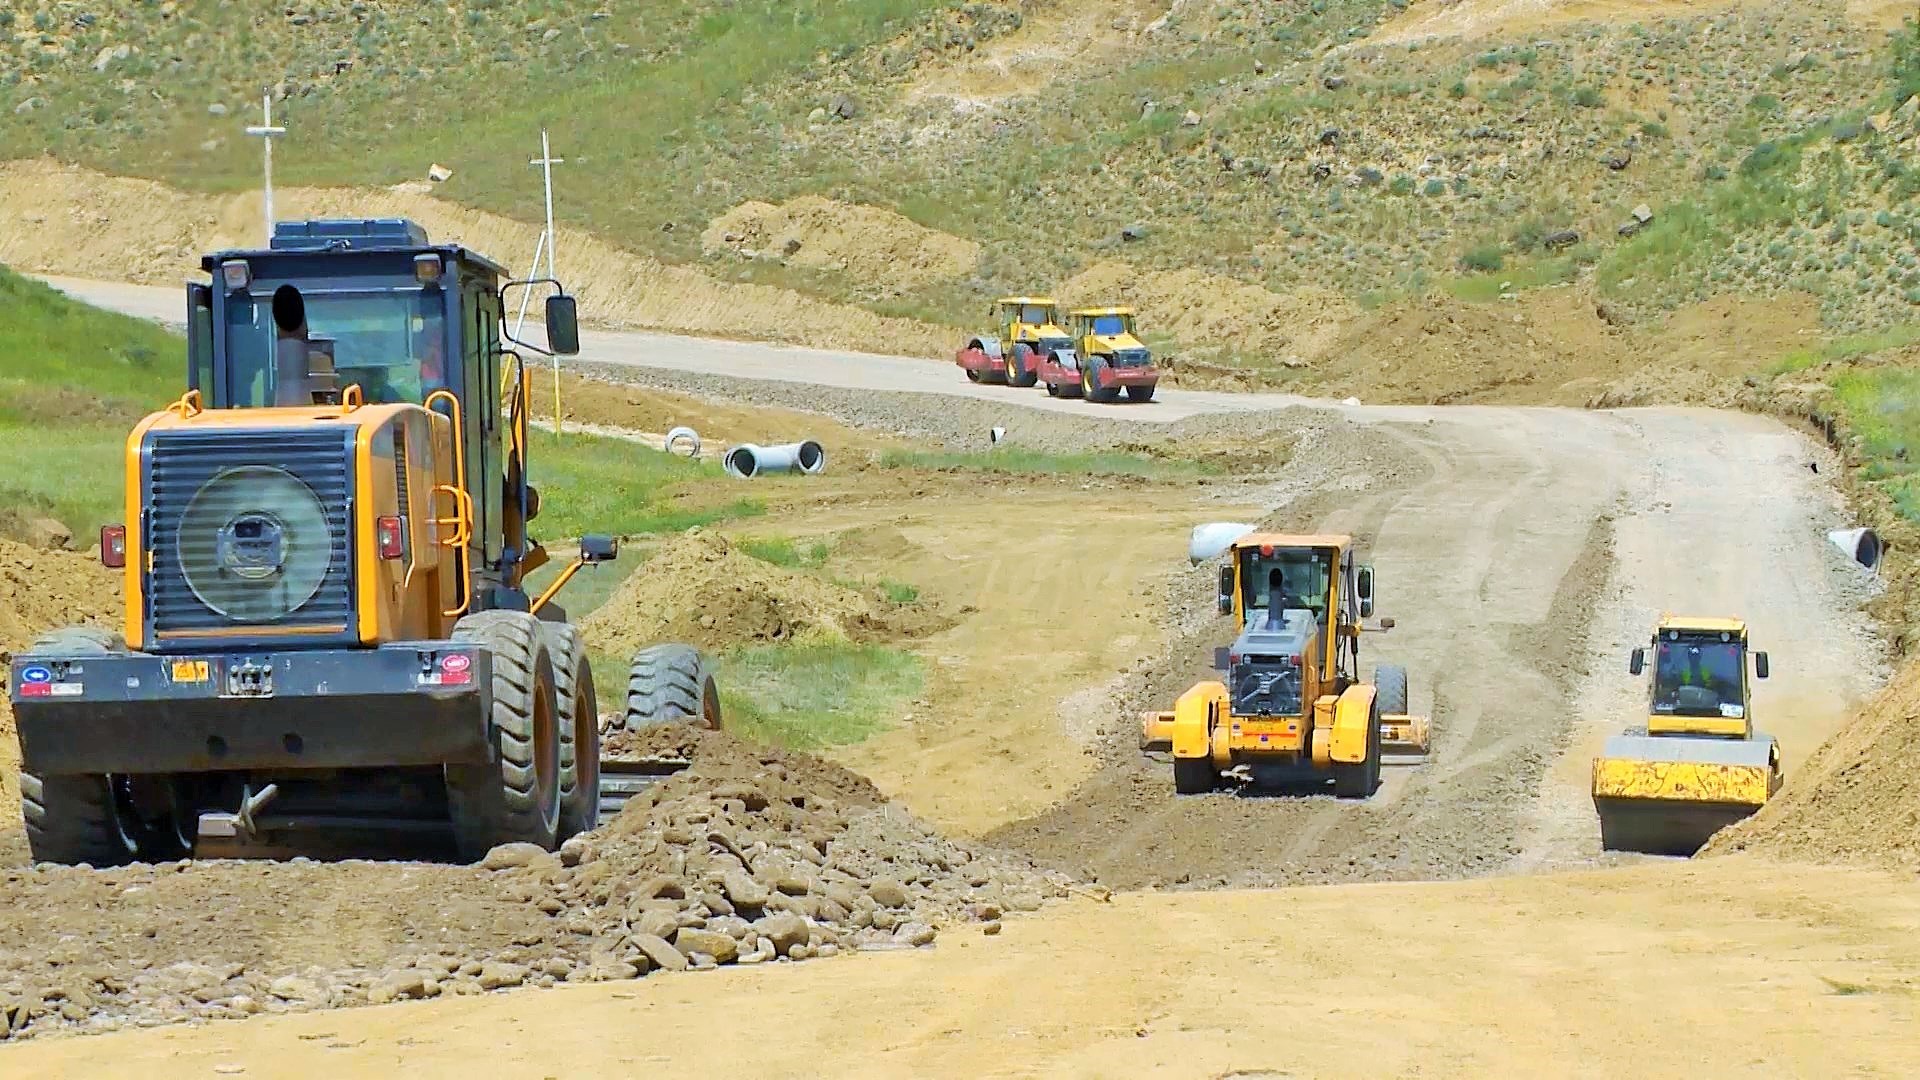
point(1276, 144)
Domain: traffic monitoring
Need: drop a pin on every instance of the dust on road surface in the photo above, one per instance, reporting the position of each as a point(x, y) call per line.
point(1739, 967)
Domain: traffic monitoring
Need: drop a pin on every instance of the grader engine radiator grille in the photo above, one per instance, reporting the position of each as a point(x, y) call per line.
point(250, 529)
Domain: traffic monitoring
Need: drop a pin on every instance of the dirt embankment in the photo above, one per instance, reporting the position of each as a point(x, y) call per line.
point(880, 252)
point(61, 219)
point(1856, 799)
point(750, 856)
point(702, 590)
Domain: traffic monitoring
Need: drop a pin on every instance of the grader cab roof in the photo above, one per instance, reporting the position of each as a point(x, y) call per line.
point(1293, 540)
point(1702, 624)
point(1102, 311)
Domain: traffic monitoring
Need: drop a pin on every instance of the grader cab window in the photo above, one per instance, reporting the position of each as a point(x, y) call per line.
point(1699, 678)
point(1301, 574)
point(392, 344)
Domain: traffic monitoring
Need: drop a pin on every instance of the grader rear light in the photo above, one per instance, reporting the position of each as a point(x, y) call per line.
point(390, 537)
point(113, 546)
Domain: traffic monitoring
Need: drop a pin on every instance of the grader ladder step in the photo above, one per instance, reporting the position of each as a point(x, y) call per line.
point(622, 780)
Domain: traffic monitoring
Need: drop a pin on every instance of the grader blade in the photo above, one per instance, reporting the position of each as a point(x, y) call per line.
point(622, 780)
point(1405, 736)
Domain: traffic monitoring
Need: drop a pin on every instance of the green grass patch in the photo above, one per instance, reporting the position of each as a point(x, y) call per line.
point(1484, 287)
point(808, 696)
point(1014, 461)
point(1882, 408)
point(592, 484)
point(73, 379)
point(1852, 347)
point(899, 592)
point(788, 552)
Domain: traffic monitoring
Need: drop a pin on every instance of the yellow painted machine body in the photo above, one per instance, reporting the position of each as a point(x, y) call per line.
point(1028, 320)
point(1291, 707)
point(1699, 764)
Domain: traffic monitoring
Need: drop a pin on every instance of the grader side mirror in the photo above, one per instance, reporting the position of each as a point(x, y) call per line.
point(1637, 662)
point(599, 549)
point(1222, 657)
point(1363, 584)
point(1226, 590)
point(563, 326)
point(1760, 664)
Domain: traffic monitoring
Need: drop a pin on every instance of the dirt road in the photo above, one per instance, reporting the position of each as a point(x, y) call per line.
point(1583, 975)
point(1521, 551)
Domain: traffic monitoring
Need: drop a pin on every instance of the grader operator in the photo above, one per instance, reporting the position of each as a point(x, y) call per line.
point(1290, 706)
point(328, 630)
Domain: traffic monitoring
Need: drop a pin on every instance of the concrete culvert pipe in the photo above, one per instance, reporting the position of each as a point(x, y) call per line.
point(1861, 545)
point(747, 461)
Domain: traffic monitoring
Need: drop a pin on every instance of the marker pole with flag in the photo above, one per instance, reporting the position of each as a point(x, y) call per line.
point(266, 133)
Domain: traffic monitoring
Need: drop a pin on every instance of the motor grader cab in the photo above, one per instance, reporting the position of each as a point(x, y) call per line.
point(1026, 329)
point(1107, 358)
point(328, 630)
point(1289, 705)
point(1699, 764)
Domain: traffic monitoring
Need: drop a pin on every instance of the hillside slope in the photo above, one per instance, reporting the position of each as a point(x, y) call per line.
point(1285, 148)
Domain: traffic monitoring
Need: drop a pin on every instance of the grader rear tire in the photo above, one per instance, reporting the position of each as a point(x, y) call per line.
point(579, 730)
point(1192, 776)
point(669, 683)
point(517, 800)
point(74, 819)
point(1358, 781)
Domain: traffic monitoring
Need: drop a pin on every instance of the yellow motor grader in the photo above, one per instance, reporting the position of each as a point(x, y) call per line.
point(328, 629)
point(1290, 706)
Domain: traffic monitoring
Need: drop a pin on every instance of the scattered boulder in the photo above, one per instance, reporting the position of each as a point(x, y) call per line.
point(693, 943)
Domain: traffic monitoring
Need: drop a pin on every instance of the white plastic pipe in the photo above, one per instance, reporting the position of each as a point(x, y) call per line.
point(683, 435)
point(1211, 539)
point(747, 460)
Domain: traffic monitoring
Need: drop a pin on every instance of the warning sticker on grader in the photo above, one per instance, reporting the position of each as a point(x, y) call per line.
point(189, 671)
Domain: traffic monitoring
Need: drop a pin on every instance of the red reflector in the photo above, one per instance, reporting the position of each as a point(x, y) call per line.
point(113, 546)
point(34, 689)
point(389, 537)
point(455, 662)
point(456, 678)
point(1294, 660)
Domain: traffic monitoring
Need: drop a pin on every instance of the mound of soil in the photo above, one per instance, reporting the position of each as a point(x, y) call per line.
point(699, 590)
point(750, 856)
point(879, 248)
point(1209, 314)
point(44, 590)
point(1857, 799)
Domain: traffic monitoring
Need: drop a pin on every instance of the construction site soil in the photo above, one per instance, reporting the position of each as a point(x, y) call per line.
point(701, 590)
point(1521, 552)
point(749, 856)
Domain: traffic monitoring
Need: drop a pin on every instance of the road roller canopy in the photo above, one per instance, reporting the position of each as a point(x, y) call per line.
point(1031, 310)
